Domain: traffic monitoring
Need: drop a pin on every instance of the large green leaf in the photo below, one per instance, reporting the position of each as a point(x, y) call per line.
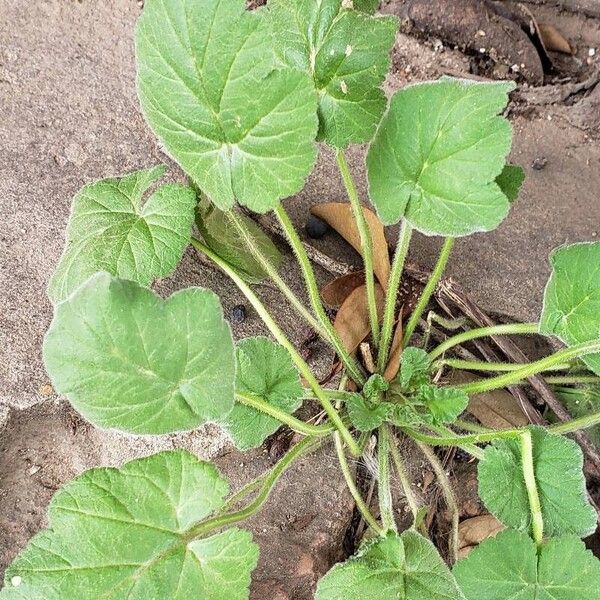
point(125, 534)
point(208, 84)
point(222, 237)
point(437, 154)
point(444, 404)
point(366, 416)
point(110, 230)
point(346, 52)
point(508, 567)
point(572, 298)
point(558, 464)
point(404, 567)
point(264, 370)
point(129, 360)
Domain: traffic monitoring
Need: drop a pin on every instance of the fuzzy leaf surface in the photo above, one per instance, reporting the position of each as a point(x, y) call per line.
point(437, 154)
point(111, 229)
point(211, 89)
point(346, 53)
point(127, 359)
point(365, 416)
point(558, 464)
point(264, 370)
point(445, 404)
point(507, 567)
point(405, 567)
point(414, 367)
point(572, 298)
point(121, 533)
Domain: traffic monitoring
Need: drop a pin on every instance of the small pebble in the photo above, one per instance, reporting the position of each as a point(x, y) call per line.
point(539, 163)
point(316, 228)
point(238, 314)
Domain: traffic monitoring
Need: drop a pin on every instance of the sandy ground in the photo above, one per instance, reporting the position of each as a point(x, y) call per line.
point(69, 115)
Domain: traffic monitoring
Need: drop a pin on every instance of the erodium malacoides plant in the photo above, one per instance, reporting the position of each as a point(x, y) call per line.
point(240, 100)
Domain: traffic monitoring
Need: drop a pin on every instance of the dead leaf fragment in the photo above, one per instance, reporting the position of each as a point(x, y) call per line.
point(338, 215)
point(553, 39)
point(335, 292)
point(472, 532)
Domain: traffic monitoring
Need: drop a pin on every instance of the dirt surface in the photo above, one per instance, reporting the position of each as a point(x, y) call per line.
point(69, 115)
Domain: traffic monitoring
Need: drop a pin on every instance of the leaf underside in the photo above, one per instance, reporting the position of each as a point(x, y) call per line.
point(437, 154)
point(572, 298)
point(127, 359)
point(240, 125)
point(558, 464)
point(507, 567)
point(121, 533)
point(111, 230)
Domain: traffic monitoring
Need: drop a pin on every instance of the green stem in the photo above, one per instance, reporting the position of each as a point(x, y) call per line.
point(389, 311)
point(219, 521)
point(278, 334)
point(282, 416)
point(573, 379)
point(472, 449)
point(366, 241)
point(402, 473)
point(434, 279)
point(272, 272)
point(446, 486)
point(472, 334)
point(384, 490)
point(476, 365)
point(537, 521)
point(248, 489)
point(314, 296)
point(331, 394)
point(530, 369)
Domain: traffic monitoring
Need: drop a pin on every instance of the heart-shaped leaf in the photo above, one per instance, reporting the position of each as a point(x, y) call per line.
point(222, 237)
point(406, 566)
point(129, 360)
point(437, 154)
point(346, 53)
point(572, 298)
point(557, 463)
point(264, 370)
point(110, 230)
point(509, 566)
point(125, 533)
point(210, 88)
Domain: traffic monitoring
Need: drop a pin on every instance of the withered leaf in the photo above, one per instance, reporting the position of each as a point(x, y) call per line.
point(335, 292)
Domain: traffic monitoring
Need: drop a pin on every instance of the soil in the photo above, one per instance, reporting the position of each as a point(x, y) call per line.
point(70, 115)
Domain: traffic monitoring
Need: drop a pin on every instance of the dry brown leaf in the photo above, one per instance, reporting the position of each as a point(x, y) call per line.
point(497, 409)
point(393, 365)
point(335, 292)
point(553, 39)
point(352, 320)
point(339, 217)
point(472, 532)
point(367, 357)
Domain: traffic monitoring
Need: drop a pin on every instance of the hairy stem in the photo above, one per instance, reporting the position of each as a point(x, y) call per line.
point(472, 334)
point(283, 340)
point(476, 365)
point(434, 279)
point(384, 490)
point(389, 311)
point(272, 272)
point(530, 369)
point(366, 241)
point(283, 417)
point(449, 496)
point(314, 296)
point(331, 394)
point(402, 473)
point(537, 521)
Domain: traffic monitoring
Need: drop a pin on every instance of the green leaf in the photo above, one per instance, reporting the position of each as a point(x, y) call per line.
point(437, 154)
point(581, 402)
point(367, 6)
point(241, 128)
point(375, 387)
point(264, 370)
point(124, 533)
point(404, 567)
point(508, 567)
point(346, 53)
point(558, 464)
point(366, 416)
point(222, 237)
point(572, 298)
point(110, 230)
point(414, 367)
point(444, 404)
point(510, 181)
point(129, 360)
